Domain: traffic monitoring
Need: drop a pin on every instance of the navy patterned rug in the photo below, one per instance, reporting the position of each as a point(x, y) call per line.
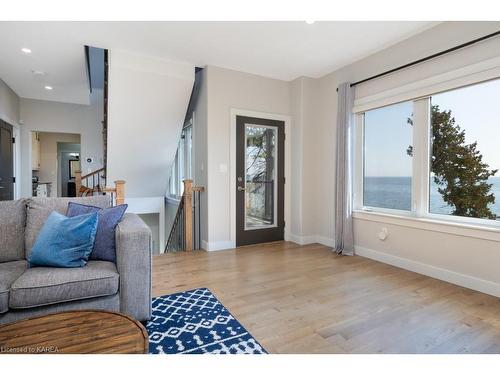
point(195, 322)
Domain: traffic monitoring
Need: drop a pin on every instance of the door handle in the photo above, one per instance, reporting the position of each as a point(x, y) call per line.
point(241, 188)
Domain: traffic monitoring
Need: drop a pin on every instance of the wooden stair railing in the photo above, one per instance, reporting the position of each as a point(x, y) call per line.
point(186, 228)
point(92, 183)
point(118, 192)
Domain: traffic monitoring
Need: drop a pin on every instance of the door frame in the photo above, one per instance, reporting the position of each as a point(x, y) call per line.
point(234, 112)
point(16, 151)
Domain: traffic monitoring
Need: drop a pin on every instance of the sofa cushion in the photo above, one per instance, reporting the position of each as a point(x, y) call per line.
point(12, 223)
point(40, 286)
point(105, 243)
point(64, 241)
point(9, 272)
point(39, 210)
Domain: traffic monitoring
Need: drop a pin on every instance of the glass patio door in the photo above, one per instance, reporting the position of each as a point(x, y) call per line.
point(259, 181)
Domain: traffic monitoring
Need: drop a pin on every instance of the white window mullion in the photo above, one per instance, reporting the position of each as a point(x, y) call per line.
point(421, 133)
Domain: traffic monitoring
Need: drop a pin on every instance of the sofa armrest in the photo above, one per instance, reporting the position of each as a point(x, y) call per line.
point(133, 261)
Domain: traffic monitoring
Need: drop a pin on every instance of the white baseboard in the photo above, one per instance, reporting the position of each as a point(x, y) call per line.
point(307, 240)
point(325, 241)
point(216, 246)
point(302, 240)
point(453, 277)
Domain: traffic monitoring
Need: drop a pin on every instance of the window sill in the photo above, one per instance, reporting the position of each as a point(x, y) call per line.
point(489, 233)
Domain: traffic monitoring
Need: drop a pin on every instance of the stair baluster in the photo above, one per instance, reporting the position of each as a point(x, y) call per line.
point(186, 228)
point(86, 186)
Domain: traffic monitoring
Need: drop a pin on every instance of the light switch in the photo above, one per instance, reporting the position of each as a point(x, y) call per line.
point(223, 168)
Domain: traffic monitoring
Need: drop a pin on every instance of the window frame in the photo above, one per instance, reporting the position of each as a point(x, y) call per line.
point(182, 166)
point(420, 169)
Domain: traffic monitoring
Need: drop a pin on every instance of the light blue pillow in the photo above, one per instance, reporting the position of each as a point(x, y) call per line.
point(64, 241)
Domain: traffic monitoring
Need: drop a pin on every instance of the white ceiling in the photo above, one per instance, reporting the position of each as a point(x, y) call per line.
point(282, 50)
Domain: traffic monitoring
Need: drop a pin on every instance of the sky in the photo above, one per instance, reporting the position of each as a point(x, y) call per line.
point(387, 136)
point(475, 108)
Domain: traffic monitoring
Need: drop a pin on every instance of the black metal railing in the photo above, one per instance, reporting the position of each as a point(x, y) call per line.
point(187, 221)
point(177, 238)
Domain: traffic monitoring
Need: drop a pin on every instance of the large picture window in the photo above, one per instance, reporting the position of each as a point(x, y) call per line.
point(387, 163)
point(465, 156)
point(436, 156)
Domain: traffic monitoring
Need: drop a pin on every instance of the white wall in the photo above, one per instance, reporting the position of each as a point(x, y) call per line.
point(49, 166)
point(48, 116)
point(148, 98)
point(9, 104)
point(200, 148)
point(304, 166)
point(230, 89)
point(466, 260)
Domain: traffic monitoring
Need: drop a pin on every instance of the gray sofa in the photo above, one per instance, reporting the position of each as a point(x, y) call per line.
point(27, 292)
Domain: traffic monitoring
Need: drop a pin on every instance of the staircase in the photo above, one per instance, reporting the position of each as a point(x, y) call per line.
point(94, 183)
point(186, 228)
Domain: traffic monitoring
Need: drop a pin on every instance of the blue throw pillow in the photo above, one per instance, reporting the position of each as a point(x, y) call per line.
point(64, 242)
point(104, 246)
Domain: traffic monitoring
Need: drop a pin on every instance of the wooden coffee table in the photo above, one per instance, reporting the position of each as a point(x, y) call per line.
point(86, 331)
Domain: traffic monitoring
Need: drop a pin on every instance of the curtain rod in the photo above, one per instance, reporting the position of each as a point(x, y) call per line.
point(427, 58)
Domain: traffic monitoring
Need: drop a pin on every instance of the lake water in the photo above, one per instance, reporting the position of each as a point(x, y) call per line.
point(395, 193)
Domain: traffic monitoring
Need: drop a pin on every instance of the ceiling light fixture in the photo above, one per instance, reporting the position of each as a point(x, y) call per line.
point(49, 88)
point(26, 50)
point(310, 22)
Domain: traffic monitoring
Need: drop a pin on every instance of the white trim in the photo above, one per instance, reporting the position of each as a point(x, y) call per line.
point(434, 225)
point(453, 277)
point(471, 74)
point(420, 179)
point(325, 241)
point(302, 240)
point(216, 245)
point(232, 162)
point(307, 240)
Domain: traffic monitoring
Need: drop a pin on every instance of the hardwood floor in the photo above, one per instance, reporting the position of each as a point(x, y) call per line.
point(306, 299)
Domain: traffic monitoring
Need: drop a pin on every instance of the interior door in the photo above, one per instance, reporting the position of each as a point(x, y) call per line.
point(6, 162)
point(260, 155)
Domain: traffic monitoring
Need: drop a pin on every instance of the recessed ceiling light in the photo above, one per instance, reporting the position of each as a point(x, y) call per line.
point(49, 88)
point(26, 50)
point(310, 22)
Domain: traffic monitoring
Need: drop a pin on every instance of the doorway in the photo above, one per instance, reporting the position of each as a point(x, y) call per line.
point(6, 162)
point(54, 159)
point(260, 193)
point(68, 156)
